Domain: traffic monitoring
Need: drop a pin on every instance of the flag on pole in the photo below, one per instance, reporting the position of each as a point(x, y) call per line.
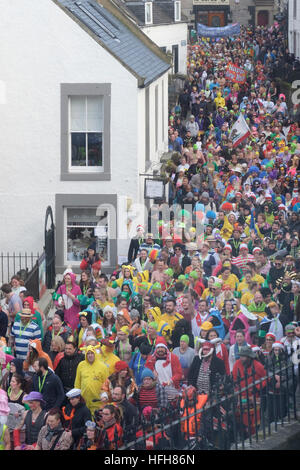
point(252, 221)
point(240, 131)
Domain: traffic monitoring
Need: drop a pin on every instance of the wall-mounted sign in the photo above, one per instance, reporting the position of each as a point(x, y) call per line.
point(154, 189)
point(211, 2)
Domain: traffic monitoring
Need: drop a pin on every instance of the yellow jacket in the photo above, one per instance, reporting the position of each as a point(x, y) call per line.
point(167, 324)
point(90, 378)
point(220, 101)
point(143, 276)
point(156, 314)
point(226, 230)
point(108, 358)
point(232, 281)
point(247, 298)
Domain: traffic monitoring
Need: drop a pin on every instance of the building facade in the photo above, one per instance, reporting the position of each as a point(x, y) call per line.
point(216, 13)
point(84, 107)
point(165, 24)
point(294, 27)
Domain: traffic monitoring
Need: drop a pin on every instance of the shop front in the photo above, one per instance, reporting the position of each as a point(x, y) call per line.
point(213, 13)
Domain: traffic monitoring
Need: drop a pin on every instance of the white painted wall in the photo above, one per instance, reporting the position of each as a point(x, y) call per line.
point(41, 47)
point(294, 29)
point(168, 36)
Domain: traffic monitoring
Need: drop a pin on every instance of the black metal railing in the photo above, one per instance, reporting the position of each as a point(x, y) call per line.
point(237, 414)
point(26, 266)
point(16, 263)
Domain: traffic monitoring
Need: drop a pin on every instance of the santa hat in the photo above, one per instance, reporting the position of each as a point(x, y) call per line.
point(256, 249)
point(121, 365)
point(255, 348)
point(277, 344)
point(271, 335)
point(243, 245)
point(228, 247)
point(161, 343)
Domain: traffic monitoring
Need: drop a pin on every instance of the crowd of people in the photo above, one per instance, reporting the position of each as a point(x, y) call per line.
point(188, 309)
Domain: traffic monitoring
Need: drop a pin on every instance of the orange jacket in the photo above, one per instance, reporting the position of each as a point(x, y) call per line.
point(188, 424)
point(36, 344)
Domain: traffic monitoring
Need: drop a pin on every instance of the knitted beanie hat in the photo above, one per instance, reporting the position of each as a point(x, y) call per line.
point(147, 373)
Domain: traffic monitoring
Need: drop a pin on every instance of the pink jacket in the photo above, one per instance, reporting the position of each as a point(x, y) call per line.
point(232, 331)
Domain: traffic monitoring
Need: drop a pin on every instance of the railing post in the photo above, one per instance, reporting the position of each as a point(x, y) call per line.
point(288, 385)
point(232, 407)
point(248, 404)
point(262, 407)
point(241, 409)
point(274, 397)
point(281, 392)
point(294, 383)
point(254, 401)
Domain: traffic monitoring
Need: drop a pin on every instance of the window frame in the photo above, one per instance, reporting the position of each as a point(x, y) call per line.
point(177, 2)
point(149, 4)
point(104, 264)
point(73, 173)
point(85, 168)
point(81, 201)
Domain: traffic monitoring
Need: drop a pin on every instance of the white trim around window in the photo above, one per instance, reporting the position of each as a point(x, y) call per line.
point(177, 10)
point(90, 131)
point(148, 13)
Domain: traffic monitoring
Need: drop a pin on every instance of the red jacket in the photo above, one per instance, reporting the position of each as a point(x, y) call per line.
point(223, 354)
point(177, 373)
point(260, 373)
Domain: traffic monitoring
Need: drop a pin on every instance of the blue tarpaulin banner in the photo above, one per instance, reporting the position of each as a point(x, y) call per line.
point(225, 31)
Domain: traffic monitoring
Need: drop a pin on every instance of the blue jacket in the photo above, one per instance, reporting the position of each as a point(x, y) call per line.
point(220, 326)
point(137, 365)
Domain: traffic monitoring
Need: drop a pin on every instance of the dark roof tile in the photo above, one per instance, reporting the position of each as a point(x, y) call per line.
point(123, 40)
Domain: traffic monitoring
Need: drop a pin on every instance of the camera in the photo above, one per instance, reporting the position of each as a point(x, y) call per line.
point(98, 415)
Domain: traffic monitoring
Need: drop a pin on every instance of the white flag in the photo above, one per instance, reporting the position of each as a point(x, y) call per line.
point(240, 131)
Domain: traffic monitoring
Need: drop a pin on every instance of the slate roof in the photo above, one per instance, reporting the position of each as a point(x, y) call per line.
point(119, 36)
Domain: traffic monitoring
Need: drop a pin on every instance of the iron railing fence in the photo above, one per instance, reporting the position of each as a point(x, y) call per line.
point(25, 265)
point(239, 412)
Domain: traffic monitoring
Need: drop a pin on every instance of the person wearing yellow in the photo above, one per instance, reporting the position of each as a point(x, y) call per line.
point(227, 229)
point(248, 296)
point(169, 319)
point(142, 278)
point(258, 306)
point(255, 276)
point(90, 377)
point(207, 291)
point(127, 273)
point(101, 298)
point(154, 315)
point(107, 355)
point(220, 101)
point(228, 278)
point(243, 286)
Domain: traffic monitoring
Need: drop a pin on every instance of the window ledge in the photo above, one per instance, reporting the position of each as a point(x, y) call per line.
point(85, 176)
